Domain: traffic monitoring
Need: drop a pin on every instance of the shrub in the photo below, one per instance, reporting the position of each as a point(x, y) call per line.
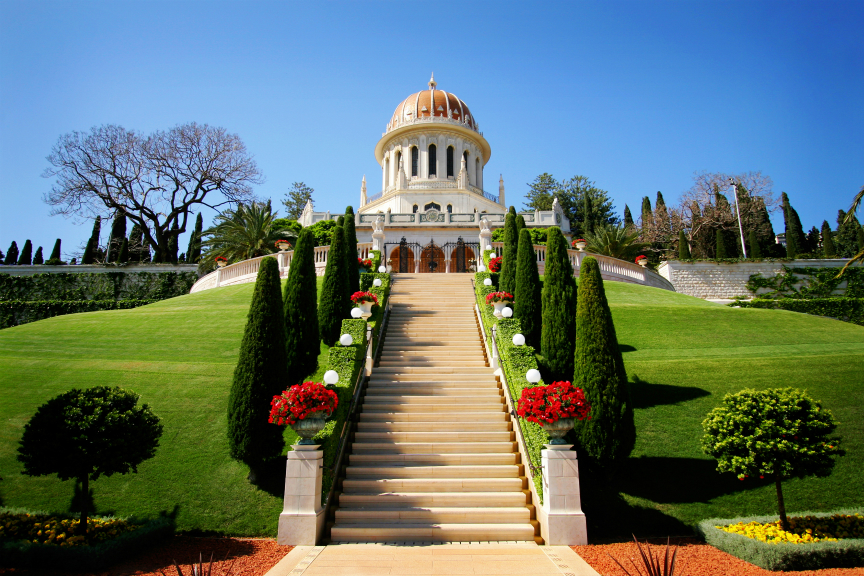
point(11, 255)
point(508, 262)
point(753, 245)
point(351, 267)
point(85, 434)
point(779, 432)
point(261, 373)
point(376, 261)
point(683, 246)
point(610, 434)
point(302, 339)
point(17, 312)
point(559, 308)
point(528, 306)
point(720, 243)
point(335, 304)
point(26, 257)
point(38, 258)
point(845, 309)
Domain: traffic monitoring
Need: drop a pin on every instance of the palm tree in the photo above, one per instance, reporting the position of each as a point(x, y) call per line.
point(615, 241)
point(247, 232)
point(856, 203)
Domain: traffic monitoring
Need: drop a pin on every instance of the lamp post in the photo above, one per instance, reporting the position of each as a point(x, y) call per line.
point(738, 212)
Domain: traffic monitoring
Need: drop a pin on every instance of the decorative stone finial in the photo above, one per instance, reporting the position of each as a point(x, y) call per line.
point(432, 83)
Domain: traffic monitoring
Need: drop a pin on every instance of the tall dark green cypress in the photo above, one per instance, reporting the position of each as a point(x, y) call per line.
point(628, 218)
point(794, 233)
point(610, 434)
point(11, 255)
point(173, 245)
point(193, 252)
point(88, 257)
point(720, 244)
point(528, 306)
point(683, 246)
point(507, 276)
point(512, 211)
point(860, 239)
point(118, 233)
point(300, 298)
point(335, 305)
point(647, 213)
point(753, 248)
point(520, 225)
point(123, 253)
point(351, 251)
point(559, 307)
point(55, 252)
point(38, 258)
point(828, 248)
point(261, 373)
point(95, 235)
point(136, 244)
point(26, 257)
point(587, 214)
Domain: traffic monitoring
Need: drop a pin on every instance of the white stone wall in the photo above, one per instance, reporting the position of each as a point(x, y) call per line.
point(716, 281)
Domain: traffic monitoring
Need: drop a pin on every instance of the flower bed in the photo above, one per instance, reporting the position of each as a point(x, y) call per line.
point(802, 529)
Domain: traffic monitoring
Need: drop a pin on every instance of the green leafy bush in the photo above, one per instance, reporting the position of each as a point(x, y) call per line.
point(97, 286)
point(845, 309)
point(376, 260)
point(17, 312)
point(808, 283)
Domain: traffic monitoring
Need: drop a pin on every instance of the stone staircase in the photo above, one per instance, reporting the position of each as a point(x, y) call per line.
point(434, 457)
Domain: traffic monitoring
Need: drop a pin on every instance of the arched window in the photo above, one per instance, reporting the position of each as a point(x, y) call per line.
point(432, 205)
point(449, 208)
point(449, 161)
point(415, 209)
point(398, 160)
point(477, 181)
point(433, 160)
point(387, 173)
point(415, 159)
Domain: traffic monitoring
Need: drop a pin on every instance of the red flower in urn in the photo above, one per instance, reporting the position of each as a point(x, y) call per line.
point(495, 264)
point(548, 404)
point(360, 297)
point(300, 401)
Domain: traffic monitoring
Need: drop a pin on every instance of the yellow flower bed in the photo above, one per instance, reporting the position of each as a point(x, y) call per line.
point(803, 529)
point(60, 531)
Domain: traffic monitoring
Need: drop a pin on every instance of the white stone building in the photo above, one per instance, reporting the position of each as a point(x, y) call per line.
point(430, 212)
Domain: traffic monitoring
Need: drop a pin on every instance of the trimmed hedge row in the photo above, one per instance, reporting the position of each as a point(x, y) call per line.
point(845, 309)
point(25, 554)
point(842, 554)
point(96, 286)
point(376, 259)
point(515, 362)
point(17, 312)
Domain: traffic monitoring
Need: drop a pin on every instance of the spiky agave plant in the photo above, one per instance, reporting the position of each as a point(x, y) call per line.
point(652, 564)
point(615, 241)
point(200, 569)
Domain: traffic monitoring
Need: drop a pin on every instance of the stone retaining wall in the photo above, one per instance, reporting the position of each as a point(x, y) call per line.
point(716, 281)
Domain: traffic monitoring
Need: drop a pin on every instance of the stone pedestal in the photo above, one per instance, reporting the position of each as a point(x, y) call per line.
point(378, 243)
point(561, 500)
point(302, 520)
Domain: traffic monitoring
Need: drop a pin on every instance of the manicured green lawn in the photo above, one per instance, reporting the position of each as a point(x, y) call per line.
point(179, 354)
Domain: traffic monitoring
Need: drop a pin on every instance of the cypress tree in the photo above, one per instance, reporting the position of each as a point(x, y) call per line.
point(520, 225)
point(118, 233)
point(351, 251)
point(528, 306)
point(55, 252)
point(136, 244)
point(795, 240)
point(610, 434)
point(559, 307)
point(647, 213)
point(88, 257)
point(828, 249)
point(507, 276)
point(720, 244)
point(123, 254)
point(813, 240)
point(628, 218)
point(860, 239)
point(261, 373)
point(173, 241)
point(587, 214)
point(300, 298)
point(94, 239)
point(38, 259)
point(683, 246)
point(193, 252)
point(11, 255)
point(335, 305)
point(26, 257)
point(755, 251)
point(513, 211)
point(2, 258)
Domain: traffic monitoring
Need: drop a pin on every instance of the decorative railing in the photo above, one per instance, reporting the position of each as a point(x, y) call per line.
point(374, 197)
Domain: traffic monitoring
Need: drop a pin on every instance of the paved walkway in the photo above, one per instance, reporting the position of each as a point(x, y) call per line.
point(416, 559)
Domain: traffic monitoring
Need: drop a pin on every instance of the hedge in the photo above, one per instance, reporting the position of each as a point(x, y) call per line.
point(96, 286)
point(845, 309)
point(376, 260)
point(17, 312)
point(25, 554)
point(816, 283)
point(842, 554)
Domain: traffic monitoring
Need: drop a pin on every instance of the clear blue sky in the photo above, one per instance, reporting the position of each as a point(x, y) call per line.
point(635, 95)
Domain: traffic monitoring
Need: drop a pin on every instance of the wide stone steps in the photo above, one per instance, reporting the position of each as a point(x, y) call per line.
point(434, 408)
point(417, 485)
point(436, 515)
point(426, 471)
point(434, 370)
point(439, 417)
point(453, 459)
point(433, 437)
point(434, 447)
point(367, 426)
point(429, 390)
point(444, 499)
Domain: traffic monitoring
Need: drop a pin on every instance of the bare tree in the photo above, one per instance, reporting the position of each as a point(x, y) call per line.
point(154, 180)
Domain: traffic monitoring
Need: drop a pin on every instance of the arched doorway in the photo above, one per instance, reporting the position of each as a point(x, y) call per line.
point(461, 255)
point(402, 257)
point(432, 259)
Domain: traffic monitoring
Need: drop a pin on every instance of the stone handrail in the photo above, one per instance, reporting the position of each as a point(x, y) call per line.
point(247, 270)
point(612, 269)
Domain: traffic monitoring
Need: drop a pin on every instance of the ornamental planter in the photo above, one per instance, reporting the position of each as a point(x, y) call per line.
point(283, 246)
point(581, 246)
point(221, 263)
point(366, 308)
point(642, 263)
point(558, 429)
point(307, 428)
point(499, 308)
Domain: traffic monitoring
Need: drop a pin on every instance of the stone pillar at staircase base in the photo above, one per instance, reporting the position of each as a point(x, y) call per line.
point(302, 520)
point(561, 500)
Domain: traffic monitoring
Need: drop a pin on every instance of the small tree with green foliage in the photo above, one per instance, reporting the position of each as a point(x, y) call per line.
point(683, 246)
point(559, 308)
point(123, 253)
point(628, 217)
point(528, 305)
point(779, 433)
point(11, 255)
point(118, 233)
point(610, 434)
point(828, 248)
point(261, 373)
point(350, 232)
point(507, 276)
point(323, 231)
point(88, 257)
point(795, 239)
point(85, 434)
point(335, 301)
point(93, 243)
point(26, 256)
point(300, 299)
point(753, 248)
point(720, 244)
point(55, 252)
point(38, 258)
point(193, 252)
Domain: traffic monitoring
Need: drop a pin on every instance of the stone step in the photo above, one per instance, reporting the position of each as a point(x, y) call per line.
point(417, 485)
point(454, 459)
point(365, 426)
point(433, 437)
point(436, 409)
point(459, 370)
point(432, 472)
point(443, 499)
point(442, 359)
point(395, 389)
point(434, 447)
point(430, 532)
point(504, 515)
point(427, 351)
point(438, 417)
point(437, 384)
point(373, 399)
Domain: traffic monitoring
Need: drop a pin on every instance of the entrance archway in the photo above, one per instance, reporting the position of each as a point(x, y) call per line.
point(402, 257)
point(460, 258)
point(432, 259)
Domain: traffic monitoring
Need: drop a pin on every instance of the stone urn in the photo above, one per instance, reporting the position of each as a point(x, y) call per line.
point(307, 428)
point(366, 309)
point(221, 263)
point(558, 429)
point(643, 262)
point(581, 245)
point(499, 308)
point(283, 246)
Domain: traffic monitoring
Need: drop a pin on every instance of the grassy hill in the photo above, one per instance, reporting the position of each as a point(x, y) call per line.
point(179, 354)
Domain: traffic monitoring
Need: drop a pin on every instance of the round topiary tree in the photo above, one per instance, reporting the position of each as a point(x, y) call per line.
point(507, 276)
point(300, 298)
point(558, 328)
point(528, 306)
point(610, 434)
point(335, 300)
point(85, 434)
point(261, 373)
point(779, 432)
point(350, 231)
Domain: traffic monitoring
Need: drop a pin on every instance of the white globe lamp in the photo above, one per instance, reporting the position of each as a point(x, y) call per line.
point(356, 313)
point(376, 282)
point(518, 340)
point(346, 340)
point(331, 377)
point(507, 312)
point(533, 375)
point(487, 282)
point(488, 246)
point(382, 269)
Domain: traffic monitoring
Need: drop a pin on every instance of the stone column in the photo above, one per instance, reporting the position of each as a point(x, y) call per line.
point(561, 500)
point(302, 520)
point(218, 276)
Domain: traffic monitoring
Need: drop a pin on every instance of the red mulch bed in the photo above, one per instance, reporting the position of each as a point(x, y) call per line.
point(695, 558)
point(251, 557)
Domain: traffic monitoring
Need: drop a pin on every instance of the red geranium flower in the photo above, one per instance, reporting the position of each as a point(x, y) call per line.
point(301, 400)
point(359, 297)
point(498, 297)
point(495, 264)
point(548, 404)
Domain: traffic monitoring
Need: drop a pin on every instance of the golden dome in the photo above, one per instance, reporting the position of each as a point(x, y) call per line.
point(432, 105)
